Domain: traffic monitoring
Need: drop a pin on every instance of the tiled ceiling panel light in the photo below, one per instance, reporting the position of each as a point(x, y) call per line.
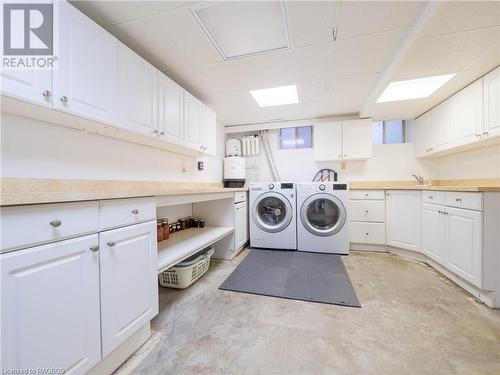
point(244, 28)
point(276, 96)
point(413, 88)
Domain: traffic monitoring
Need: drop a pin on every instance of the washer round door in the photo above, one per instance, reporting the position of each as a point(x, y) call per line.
point(272, 212)
point(323, 214)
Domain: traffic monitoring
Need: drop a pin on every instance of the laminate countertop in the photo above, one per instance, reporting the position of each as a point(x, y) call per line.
point(478, 185)
point(20, 191)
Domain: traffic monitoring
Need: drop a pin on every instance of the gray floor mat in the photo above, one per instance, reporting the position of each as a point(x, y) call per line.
point(294, 275)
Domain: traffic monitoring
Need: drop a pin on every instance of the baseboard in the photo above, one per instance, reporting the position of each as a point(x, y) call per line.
point(366, 247)
point(118, 356)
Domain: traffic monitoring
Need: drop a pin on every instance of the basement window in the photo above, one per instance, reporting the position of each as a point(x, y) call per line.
point(293, 138)
point(391, 132)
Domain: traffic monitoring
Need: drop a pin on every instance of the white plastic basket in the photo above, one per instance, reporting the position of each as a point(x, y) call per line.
point(186, 273)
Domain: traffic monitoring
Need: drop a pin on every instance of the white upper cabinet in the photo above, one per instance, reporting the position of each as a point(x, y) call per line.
point(137, 92)
point(441, 126)
point(32, 86)
point(491, 83)
point(327, 141)
point(171, 107)
point(423, 135)
point(193, 119)
point(403, 219)
point(209, 131)
point(357, 139)
point(467, 114)
point(50, 306)
point(85, 80)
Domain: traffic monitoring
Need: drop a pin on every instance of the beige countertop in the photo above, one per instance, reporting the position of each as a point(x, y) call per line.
point(18, 191)
point(477, 185)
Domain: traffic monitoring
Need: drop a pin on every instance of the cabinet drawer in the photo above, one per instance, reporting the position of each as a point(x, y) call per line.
point(435, 197)
point(240, 196)
point(119, 212)
point(471, 201)
point(362, 210)
point(367, 194)
point(23, 226)
point(370, 233)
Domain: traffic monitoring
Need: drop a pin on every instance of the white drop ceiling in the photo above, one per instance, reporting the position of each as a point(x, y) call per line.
point(377, 42)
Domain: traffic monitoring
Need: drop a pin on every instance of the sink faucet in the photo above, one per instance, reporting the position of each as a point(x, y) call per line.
point(419, 178)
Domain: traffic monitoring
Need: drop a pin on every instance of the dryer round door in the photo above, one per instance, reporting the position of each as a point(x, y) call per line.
point(272, 212)
point(323, 214)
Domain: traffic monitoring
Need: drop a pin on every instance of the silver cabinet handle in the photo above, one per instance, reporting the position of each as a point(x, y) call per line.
point(345, 155)
point(64, 99)
point(46, 93)
point(459, 200)
point(367, 233)
point(366, 211)
point(110, 244)
point(94, 248)
point(135, 211)
point(155, 131)
point(478, 135)
point(162, 133)
point(340, 156)
point(431, 197)
point(56, 223)
point(485, 133)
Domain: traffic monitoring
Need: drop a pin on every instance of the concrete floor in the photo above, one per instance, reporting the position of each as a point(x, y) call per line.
point(413, 321)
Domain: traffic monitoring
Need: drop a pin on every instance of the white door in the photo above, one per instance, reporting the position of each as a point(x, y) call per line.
point(129, 282)
point(357, 139)
point(85, 81)
point(209, 130)
point(137, 92)
point(50, 306)
point(171, 107)
point(423, 136)
point(433, 232)
point(464, 239)
point(193, 117)
point(403, 226)
point(32, 86)
point(492, 103)
point(240, 224)
point(327, 139)
point(441, 126)
point(467, 114)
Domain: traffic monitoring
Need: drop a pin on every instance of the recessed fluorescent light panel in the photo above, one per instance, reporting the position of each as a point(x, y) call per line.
point(276, 96)
point(413, 88)
point(243, 28)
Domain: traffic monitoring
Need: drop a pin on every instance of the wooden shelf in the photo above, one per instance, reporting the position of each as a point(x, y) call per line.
point(187, 242)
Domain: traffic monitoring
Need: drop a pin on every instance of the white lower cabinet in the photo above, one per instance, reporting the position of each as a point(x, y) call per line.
point(433, 232)
point(50, 306)
point(240, 224)
point(403, 219)
point(129, 286)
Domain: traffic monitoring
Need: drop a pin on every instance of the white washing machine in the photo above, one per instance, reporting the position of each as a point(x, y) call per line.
point(322, 223)
point(273, 223)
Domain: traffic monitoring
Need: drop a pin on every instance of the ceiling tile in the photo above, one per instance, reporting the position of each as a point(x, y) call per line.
point(457, 16)
point(358, 18)
point(150, 8)
point(108, 13)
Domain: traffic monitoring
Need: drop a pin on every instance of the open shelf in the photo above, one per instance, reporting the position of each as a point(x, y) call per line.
point(187, 242)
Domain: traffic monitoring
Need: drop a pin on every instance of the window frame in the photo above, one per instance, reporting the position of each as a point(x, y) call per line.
point(296, 136)
point(404, 130)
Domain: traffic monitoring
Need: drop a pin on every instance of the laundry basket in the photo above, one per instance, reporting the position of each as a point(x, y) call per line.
point(185, 273)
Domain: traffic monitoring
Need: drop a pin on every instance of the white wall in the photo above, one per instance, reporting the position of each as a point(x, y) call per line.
point(35, 149)
point(481, 163)
point(389, 162)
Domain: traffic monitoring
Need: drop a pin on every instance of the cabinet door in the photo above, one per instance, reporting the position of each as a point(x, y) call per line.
point(423, 135)
point(467, 114)
point(464, 240)
point(85, 81)
point(357, 139)
point(441, 126)
point(171, 105)
point(327, 139)
point(32, 86)
point(50, 306)
point(193, 117)
point(138, 93)
point(491, 83)
point(240, 226)
point(129, 282)
point(433, 232)
point(403, 225)
point(209, 130)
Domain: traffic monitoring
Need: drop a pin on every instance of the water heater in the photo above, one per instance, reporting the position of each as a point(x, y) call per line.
point(234, 171)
